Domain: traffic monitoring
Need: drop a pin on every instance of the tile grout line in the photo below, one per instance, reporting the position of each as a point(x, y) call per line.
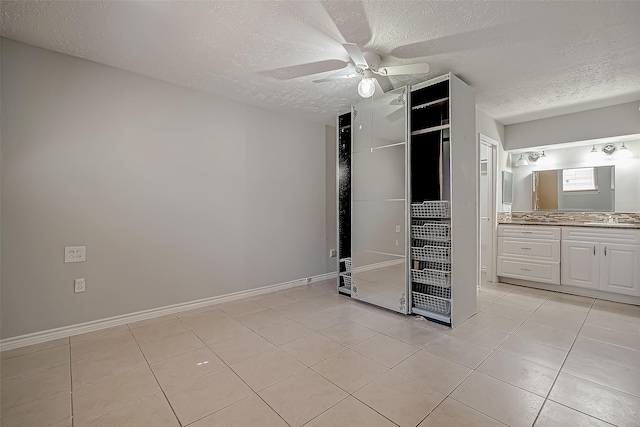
point(71, 383)
point(234, 373)
point(562, 366)
point(154, 374)
point(34, 352)
point(447, 395)
point(309, 368)
point(483, 360)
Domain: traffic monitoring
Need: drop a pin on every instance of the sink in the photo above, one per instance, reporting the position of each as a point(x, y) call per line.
point(610, 224)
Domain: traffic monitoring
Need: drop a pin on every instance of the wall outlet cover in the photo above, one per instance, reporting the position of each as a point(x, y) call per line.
point(79, 285)
point(75, 254)
point(332, 253)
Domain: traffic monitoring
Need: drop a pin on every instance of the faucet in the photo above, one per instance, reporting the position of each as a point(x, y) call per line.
point(610, 220)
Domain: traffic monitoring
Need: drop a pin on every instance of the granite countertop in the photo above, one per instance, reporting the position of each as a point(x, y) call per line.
point(571, 224)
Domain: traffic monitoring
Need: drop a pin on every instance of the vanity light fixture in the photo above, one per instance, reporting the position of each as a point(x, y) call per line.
point(543, 159)
point(609, 149)
point(522, 161)
point(624, 152)
point(594, 152)
point(537, 157)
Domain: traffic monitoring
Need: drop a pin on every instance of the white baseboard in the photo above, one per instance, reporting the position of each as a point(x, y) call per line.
point(94, 325)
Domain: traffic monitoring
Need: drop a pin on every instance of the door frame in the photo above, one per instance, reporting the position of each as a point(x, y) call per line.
point(493, 208)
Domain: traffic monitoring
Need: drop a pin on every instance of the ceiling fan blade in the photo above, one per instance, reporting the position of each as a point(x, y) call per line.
point(420, 68)
point(384, 83)
point(303, 70)
point(356, 55)
point(334, 78)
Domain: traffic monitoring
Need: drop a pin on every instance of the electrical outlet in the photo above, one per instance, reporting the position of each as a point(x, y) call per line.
point(75, 253)
point(79, 285)
point(333, 253)
point(396, 242)
point(397, 228)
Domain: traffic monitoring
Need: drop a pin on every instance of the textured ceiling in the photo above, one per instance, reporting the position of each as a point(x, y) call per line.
point(526, 60)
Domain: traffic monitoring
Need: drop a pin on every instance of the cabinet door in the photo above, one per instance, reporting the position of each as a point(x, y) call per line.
point(580, 264)
point(620, 268)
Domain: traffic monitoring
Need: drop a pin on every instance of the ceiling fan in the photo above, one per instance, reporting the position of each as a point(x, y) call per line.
point(368, 66)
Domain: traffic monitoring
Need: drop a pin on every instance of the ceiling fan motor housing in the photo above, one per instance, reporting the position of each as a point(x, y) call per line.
point(373, 59)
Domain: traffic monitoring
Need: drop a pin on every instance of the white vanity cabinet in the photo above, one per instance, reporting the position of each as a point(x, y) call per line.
point(601, 259)
point(529, 253)
point(581, 264)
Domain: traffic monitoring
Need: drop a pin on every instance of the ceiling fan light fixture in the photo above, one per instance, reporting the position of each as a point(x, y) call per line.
point(366, 87)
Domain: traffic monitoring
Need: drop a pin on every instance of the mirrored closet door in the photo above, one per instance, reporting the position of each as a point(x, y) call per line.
point(378, 200)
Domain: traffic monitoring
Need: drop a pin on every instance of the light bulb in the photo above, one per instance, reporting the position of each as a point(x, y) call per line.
point(366, 87)
point(522, 161)
point(624, 152)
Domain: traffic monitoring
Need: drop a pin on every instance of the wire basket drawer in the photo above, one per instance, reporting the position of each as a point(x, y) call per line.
point(431, 277)
point(347, 264)
point(431, 209)
point(346, 280)
point(432, 254)
point(431, 303)
point(432, 230)
point(433, 290)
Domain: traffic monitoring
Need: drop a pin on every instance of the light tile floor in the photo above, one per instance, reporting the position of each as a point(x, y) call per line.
point(307, 356)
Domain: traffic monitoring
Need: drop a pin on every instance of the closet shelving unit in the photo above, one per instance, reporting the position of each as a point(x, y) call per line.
point(431, 259)
point(443, 213)
point(343, 191)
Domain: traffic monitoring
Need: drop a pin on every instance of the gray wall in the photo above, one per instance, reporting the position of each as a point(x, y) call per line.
point(618, 120)
point(178, 195)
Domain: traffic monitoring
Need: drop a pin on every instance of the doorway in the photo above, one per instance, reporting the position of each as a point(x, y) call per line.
point(487, 208)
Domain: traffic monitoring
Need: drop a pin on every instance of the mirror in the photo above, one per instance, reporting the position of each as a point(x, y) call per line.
point(580, 189)
point(507, 187)
point(378, 203)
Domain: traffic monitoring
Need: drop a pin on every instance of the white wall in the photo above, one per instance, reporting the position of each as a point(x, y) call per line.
point(178, 195)
point(627, 175)
point(487, 126)
point(618, 120)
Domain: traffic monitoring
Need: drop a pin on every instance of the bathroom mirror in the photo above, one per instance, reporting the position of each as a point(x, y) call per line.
point(507, 187)
point(378, 204)
point(580, 189)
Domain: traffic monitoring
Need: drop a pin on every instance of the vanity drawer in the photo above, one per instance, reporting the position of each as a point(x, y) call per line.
point(530, 231)
point(537, 271)
point(544, 250)
point(596, 234)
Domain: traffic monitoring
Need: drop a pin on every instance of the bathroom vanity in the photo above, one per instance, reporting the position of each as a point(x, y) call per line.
point(591, 258)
